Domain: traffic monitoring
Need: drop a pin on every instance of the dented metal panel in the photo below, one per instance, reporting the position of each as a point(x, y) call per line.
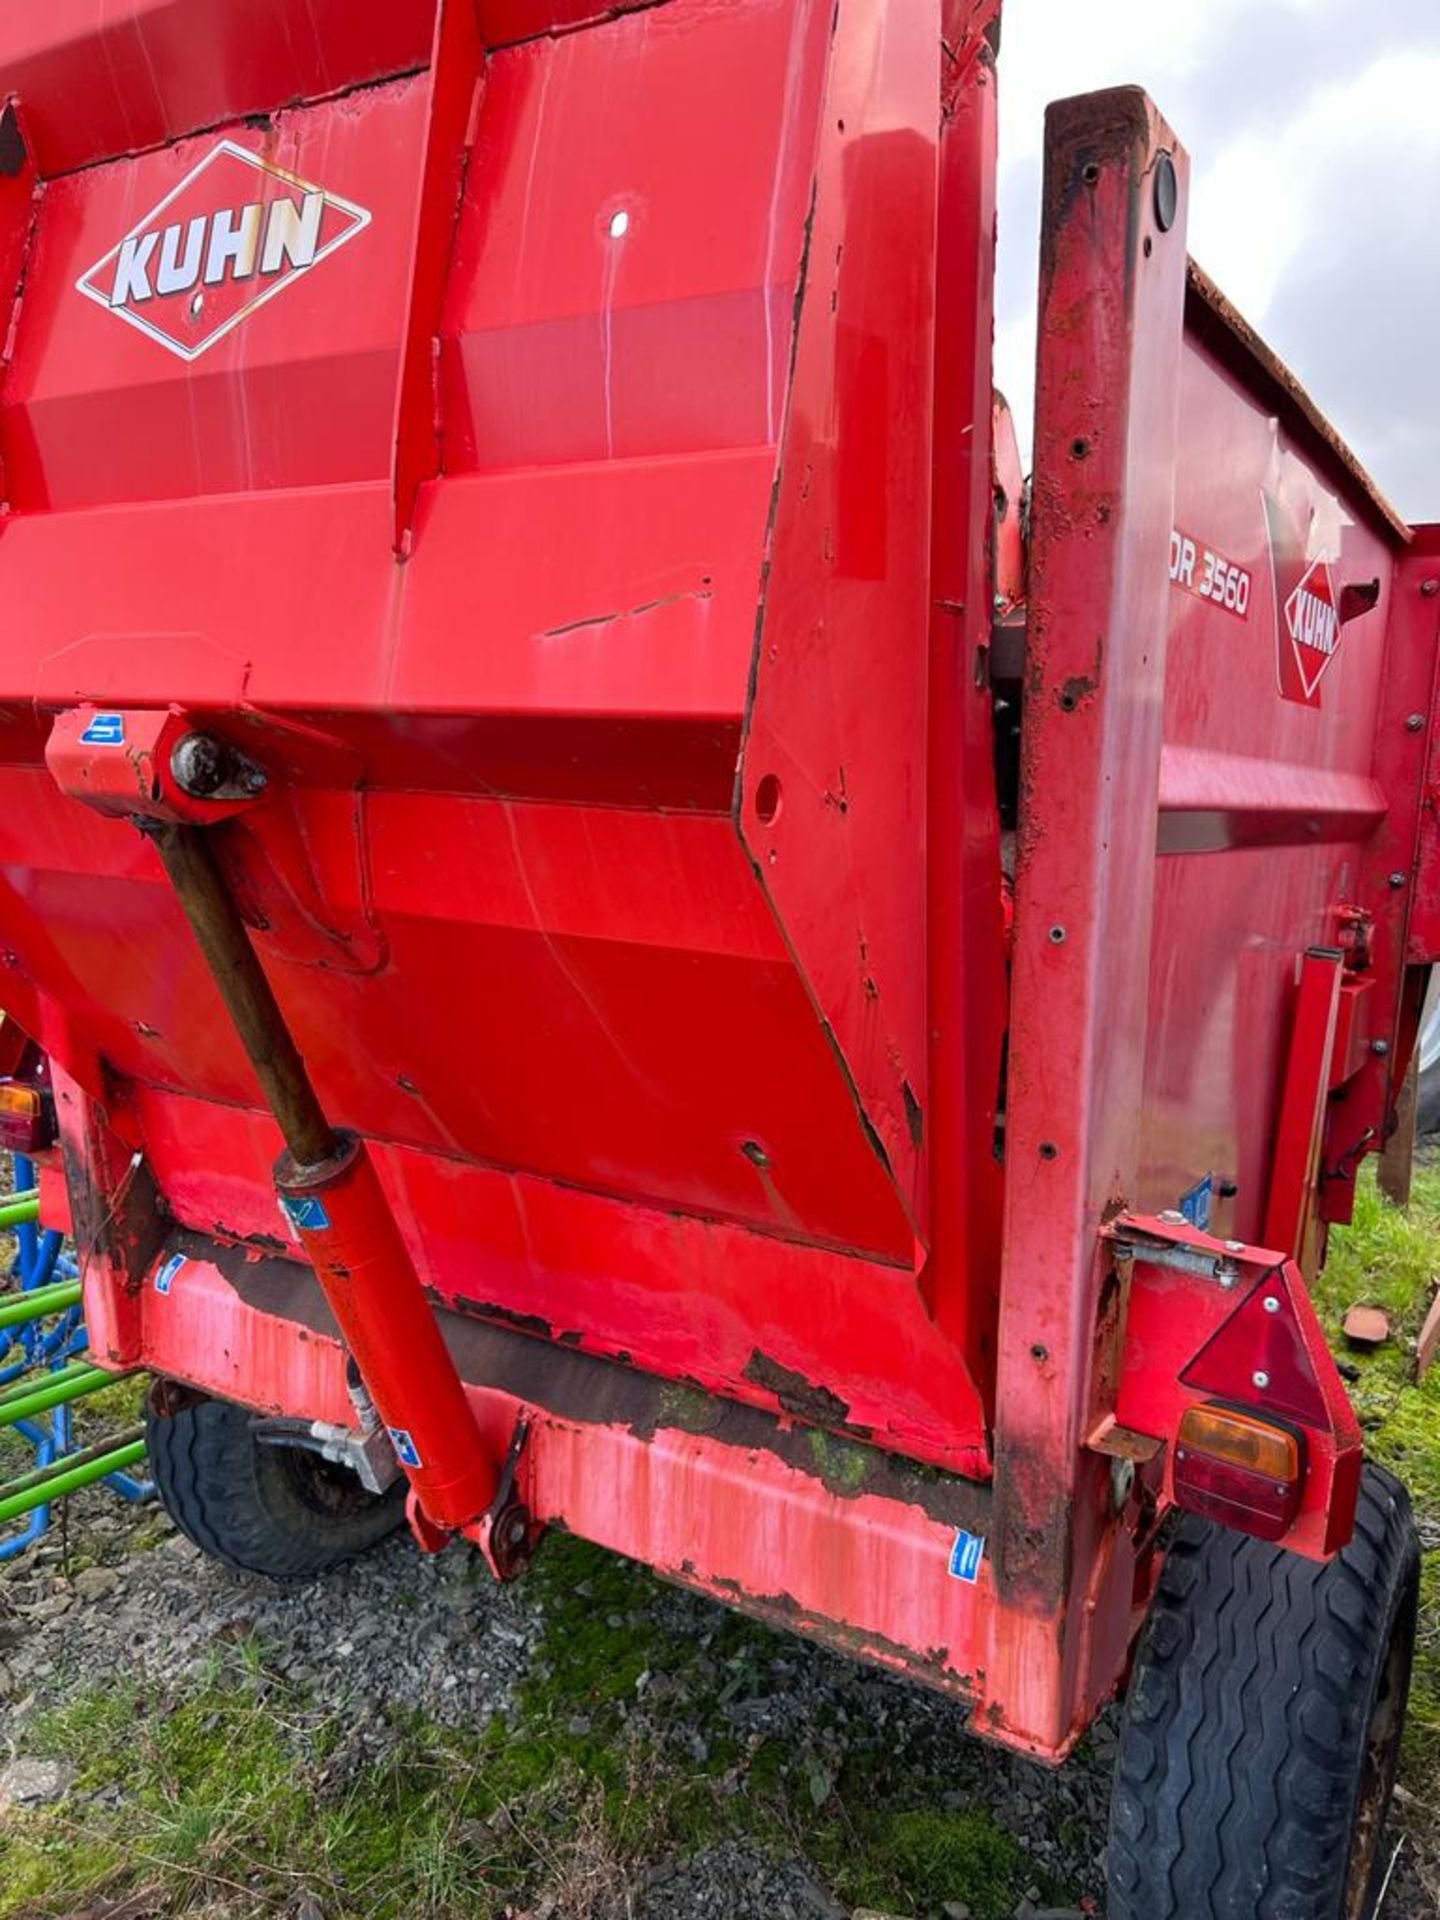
point(548, 445)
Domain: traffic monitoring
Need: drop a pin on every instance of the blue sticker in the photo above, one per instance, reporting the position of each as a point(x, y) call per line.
point(105, 730)
point(165, 1278)
point(304, 1210)
point(406, 1451)
point(966, 1555)
point(1196, 1204)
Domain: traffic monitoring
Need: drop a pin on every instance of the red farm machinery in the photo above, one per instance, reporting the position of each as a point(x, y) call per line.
point(808, 1010)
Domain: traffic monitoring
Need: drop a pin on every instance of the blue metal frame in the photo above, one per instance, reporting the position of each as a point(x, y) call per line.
point(40, 1258)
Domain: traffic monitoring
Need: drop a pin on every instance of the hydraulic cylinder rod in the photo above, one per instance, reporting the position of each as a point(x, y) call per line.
point(330, 1192)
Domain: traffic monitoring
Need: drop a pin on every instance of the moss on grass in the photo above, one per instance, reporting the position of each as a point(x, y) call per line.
point(241, 1782)
point(1391, 1259)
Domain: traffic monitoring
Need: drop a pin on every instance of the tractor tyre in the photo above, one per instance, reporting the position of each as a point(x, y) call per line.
point(1260, 1737)
point(282, 1511)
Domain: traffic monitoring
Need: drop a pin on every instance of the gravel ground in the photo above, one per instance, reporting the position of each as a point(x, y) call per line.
point(399, 1632)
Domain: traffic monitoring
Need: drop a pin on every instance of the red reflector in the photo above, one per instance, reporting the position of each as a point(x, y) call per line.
point(1262, 1337)
point(1243, 1472)
point(24, 1119)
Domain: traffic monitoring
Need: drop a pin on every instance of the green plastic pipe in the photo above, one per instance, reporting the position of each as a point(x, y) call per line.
point(32, 1382)
point(19, 1209)
point(68, 1476)
point(16, 1309)
point(57, 1395)
point(42, 1476)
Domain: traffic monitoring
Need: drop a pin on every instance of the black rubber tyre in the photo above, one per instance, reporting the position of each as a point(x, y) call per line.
point(277, 1510)
point(1263, 1725)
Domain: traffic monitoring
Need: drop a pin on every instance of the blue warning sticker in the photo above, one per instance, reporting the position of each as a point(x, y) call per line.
point(966, 1555)
point(406, 1451)
point(165, 1278)
point(105, 730)
point(306, 1210)
point(1197, 1203)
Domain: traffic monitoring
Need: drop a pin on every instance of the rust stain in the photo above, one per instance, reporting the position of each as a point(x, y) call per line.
point(930, 1667)
point(569, 1384)
point(797, 1396)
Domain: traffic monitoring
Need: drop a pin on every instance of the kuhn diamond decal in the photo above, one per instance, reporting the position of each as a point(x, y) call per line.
point(1313, 624)
point(233, 234)
point(1310, 620)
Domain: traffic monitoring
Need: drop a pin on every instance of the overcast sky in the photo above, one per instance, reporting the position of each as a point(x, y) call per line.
point(1313, 128)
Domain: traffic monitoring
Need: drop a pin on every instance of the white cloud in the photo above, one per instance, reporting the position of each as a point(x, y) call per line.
point(1267, 197)
point(1313, 189)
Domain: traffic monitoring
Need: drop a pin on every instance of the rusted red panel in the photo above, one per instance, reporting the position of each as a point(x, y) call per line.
point(694, 1299)
point(833, 789)
point(584, 520)
point(1111, 305)
point(965, 953)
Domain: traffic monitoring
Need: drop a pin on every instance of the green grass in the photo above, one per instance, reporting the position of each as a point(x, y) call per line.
point(240, 1783)
point(1392, 1259)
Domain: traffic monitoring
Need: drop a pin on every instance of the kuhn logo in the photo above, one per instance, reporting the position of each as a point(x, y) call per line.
point(1313, 625)
point(233, 234)
point(1310, 621)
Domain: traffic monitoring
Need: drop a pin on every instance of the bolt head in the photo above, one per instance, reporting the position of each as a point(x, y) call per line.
point(1272, 1305)
point(1382, 1047)
point(199, 764)
point(1397, 879)
point(1260, 1379)
point(1415, 722)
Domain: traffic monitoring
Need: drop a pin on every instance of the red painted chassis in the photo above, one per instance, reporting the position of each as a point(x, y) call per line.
point(597, 559)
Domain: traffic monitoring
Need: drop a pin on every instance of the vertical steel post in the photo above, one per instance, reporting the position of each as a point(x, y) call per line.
point(1113, 269)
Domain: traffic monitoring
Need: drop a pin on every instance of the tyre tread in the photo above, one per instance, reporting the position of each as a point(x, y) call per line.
point(1226, 1803)
point(212, 1480)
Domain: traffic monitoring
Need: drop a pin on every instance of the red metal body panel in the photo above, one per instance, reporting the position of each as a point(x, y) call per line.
point(553, 443)
point(1112, 294)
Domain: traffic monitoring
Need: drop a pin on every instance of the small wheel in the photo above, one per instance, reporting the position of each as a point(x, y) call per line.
point(277, 1510)
point(1262, 1729)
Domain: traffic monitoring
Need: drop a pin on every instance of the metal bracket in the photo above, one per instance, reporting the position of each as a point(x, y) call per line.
point(508, 1534)
point(369, 1456)
point(1182, 1259)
